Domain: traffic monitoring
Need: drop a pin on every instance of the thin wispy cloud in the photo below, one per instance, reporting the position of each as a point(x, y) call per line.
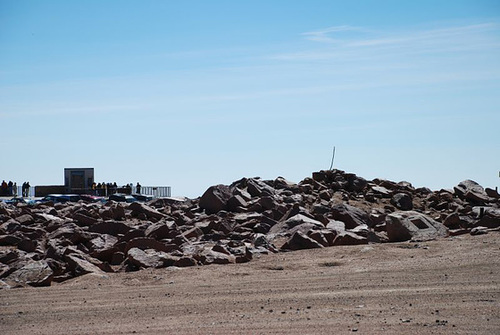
point(30, 111)
point(339, 42)
point(329, 35)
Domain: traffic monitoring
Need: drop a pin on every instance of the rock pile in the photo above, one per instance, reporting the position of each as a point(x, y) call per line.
point(46, 242)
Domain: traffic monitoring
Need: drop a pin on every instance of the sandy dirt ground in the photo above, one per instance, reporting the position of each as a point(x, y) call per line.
point(449, 286)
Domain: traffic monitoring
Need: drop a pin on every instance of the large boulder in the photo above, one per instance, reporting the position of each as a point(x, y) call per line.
point(411, 225)
point(300, 240)
point(215, 198)
point(471, 191)
point(402, 201)
point(488, 216)
point(34, 273)
point(350, 215)
point(150, 258)
point(140, 208)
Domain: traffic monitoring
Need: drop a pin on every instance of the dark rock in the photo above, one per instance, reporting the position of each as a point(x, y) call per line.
point(150, 258)
point(185, 261)
point(25, 219)
point(161, 230)
point(300, 241)
point(9, 240)
point(215, 199)
point(411, 225)
point(110, 227)
point(34, 273)
point(487, 216)
point(79, 266)
point(10, 226)
point(471, 191)
point(194, 232)
point(84, 220)
point(349, 238)
point(258, 188)
point(492, 193)
point(147, 243)
point(214, 257)
point(236, 203)
point(27, 245)
point(140, 208)
point(402, 201)
point(351, 216)
point(381, 191)
point(281, 183)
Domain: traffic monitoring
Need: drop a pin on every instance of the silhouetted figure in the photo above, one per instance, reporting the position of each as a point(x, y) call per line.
point(138, 188)
point(4, 187)
point(28, 188)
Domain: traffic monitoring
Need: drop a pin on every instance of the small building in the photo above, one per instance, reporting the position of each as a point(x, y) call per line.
point(78, 180)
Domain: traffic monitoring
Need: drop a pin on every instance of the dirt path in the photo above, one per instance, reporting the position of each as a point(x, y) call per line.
point(450, 286)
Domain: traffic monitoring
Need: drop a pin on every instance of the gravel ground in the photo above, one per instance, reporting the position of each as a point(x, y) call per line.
point(448, 286)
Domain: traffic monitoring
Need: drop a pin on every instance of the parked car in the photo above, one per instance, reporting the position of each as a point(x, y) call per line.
point(142, 197)
point(92, 198)
point(18, 200)
point(61, 198)
point(121, 197)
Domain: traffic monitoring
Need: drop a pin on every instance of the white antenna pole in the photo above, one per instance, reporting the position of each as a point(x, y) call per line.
point(333, 158)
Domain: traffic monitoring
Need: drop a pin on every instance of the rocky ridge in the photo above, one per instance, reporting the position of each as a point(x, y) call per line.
point(46, 242)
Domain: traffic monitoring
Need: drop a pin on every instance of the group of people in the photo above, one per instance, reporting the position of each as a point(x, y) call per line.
point(10, 188)
point(104, 189)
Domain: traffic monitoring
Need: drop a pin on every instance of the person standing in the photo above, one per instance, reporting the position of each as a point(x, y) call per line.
point(138, 188)
point(10, 185)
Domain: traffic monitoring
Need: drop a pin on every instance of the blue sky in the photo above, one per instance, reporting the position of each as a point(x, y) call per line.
point(196, 93)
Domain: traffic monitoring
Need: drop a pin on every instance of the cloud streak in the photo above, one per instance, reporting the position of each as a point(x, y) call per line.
point(339, 42)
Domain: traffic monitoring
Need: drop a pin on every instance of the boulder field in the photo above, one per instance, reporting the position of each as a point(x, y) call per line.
point(45, 242)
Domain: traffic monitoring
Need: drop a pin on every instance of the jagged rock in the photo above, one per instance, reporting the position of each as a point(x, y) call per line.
point(9, 256)
point(300, 241)
point(402, 201)
point(297, 222)
point(281, 183)
point(351, 216)
point(349, 238)
point(487, 216)
point(9, 240)
point(215, 198)
point(79, 266)
point(147, 243)
point(492, 193)
point(194, 232)
point(150, 258)
point(411, 225)
point(257, 188)
point(214, 257)
point(236, 203)
point(471, 191)
point(10, 226)
point(110, 227)
point(140, 208)
point(185, 261)
point(84, 220)
point(381, 191)
point(34, 273)
point(25, 219)
point(27, 245)
point(161, 230)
